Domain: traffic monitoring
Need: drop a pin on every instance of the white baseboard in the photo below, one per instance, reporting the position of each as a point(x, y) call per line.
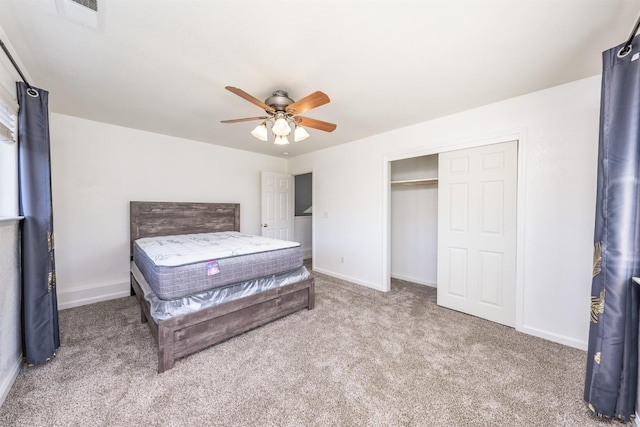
point(307, 253)
point(348, 279)
point(560, 339)
point(83, 296)
point(413, 280)
point(7, 383)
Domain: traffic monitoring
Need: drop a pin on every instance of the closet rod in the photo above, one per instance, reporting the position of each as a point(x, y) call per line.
point(15, 65)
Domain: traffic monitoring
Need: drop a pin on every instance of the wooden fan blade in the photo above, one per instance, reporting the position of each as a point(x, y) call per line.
point(245, 95)
point(248, 119)
point(314, 100)
point(315, 124)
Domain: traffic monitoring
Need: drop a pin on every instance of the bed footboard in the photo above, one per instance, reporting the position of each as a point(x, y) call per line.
point(189, 333)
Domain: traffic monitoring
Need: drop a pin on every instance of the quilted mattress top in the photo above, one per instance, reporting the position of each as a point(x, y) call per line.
point(173, 251)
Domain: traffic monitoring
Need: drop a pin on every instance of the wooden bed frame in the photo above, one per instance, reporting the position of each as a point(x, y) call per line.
point(189, 333)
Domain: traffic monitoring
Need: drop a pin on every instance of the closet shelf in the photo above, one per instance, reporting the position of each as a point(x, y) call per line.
point(415, 182)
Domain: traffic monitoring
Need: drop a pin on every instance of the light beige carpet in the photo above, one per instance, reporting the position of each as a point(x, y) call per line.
point(361, 357)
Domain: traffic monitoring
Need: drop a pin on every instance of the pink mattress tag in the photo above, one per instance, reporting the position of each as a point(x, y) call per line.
point(212, 268)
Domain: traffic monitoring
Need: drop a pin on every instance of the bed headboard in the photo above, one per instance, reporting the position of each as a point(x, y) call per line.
point(149, 219)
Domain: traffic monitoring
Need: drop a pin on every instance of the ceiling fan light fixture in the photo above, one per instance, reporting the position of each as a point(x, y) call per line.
point(282, 117)
point(281, 140)
point(300, 134)
point(260, 131)
point(281, 127)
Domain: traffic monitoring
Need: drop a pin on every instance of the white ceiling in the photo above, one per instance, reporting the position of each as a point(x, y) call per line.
point(162, 65)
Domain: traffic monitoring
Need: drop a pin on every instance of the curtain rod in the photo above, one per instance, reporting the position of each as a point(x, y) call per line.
point(627, 46)
point(15, 65)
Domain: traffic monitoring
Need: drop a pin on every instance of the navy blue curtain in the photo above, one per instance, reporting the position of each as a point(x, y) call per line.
point(40, 333)
point(612, 358)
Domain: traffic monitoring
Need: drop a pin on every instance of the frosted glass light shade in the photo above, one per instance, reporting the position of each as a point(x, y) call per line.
point(281, 127)
point(260, 132)
point(300, 134)
point(281, 140)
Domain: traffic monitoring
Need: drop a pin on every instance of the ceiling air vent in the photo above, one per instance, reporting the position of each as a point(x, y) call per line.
point(84, 12)
point(91, 4)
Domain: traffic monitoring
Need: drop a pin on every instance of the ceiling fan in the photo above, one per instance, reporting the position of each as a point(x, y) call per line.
point(282, 115)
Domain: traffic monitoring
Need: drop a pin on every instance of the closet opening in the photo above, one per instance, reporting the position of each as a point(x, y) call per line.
point(414, 220)
point(303, 214)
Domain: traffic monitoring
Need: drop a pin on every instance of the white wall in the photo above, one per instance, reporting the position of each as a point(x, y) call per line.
point(558, 129)
point(414, 221)
point(98, 168)
point(302, 234)
point(10, 345)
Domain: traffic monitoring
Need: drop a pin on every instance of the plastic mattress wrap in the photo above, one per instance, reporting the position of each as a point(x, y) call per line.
point(166, 309)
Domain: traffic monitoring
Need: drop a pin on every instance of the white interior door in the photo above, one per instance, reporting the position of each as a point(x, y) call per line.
point(477, 196)
point(277, 205)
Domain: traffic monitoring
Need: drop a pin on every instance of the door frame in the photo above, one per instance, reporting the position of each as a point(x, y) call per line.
point(441, 147)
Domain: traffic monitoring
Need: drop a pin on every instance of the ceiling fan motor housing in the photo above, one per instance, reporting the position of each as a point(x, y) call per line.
point(279, 100)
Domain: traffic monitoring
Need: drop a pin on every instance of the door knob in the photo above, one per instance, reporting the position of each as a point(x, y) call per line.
point(265, 225)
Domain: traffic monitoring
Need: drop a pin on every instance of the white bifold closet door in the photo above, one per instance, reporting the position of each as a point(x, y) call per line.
point(477, 195)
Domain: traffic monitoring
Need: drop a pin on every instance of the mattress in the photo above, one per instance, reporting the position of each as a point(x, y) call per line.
point(177, 266)
point(163, 310)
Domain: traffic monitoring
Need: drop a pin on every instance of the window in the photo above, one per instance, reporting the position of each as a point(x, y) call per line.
point(8, 159)
point(7, 124)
